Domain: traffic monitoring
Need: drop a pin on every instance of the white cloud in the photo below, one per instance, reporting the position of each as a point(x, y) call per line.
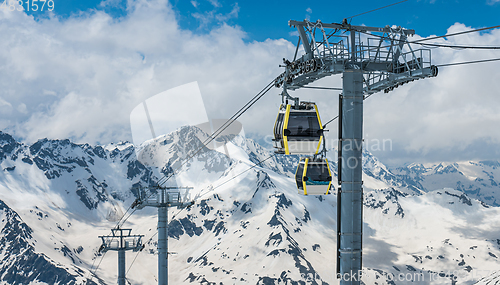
point(215, 3)
point(448, 113)
point(195, 4)
point(492, 2)
point(49, 92)
point(81, 77)
point(109, 3)
point(4, 103)
point(231, 15)
point(209, 17)
point(22, 108)
point(205, 18)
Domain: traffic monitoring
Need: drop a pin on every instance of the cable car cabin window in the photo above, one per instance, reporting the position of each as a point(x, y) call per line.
point(278, 128)
point(317, 174)
point(303, 124)
point(298, 176)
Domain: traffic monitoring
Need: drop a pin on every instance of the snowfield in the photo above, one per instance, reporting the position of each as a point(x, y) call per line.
point(423, 224)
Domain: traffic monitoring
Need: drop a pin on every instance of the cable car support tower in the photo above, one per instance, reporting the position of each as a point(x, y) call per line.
point(121, 240)
point(370, 60)
point(164, 198)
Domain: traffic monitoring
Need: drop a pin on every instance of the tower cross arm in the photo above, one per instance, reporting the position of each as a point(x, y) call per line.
point(121, 241)
point(345, 26)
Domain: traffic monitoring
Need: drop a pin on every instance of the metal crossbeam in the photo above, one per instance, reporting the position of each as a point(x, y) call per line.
point(384, 56)
point(345, 26)
point(121, 240)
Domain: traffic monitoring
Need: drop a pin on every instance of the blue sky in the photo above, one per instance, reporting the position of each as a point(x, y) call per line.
point(79, 71)
point(268, 19)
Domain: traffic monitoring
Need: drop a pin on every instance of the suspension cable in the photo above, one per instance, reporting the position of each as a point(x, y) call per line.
point(255, 165)
point(336, 117)
point(210, 190)
point(121, 218)
point(91, 268)
point(431, 38)
point(323, 88)
point(216, 133)
point(149, 240)
point(99, 264)
point(460, 46)
point(456, 34)
point(468, 62)
point(377, 9)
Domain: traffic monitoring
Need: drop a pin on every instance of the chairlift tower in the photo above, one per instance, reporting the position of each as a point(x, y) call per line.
point(121, 240)
point(370, 60)
point(164, 198)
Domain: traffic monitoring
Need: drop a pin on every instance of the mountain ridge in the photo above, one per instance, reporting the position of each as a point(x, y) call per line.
point(249, 225)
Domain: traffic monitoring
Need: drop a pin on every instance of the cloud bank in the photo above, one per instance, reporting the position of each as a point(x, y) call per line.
point(80, 77)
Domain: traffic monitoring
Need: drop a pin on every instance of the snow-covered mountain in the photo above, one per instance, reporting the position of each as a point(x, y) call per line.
point(478, 179)
point(248, 226)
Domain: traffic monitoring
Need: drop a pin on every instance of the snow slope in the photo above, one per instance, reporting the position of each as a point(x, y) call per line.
point(248, 226)
point(478, 179)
